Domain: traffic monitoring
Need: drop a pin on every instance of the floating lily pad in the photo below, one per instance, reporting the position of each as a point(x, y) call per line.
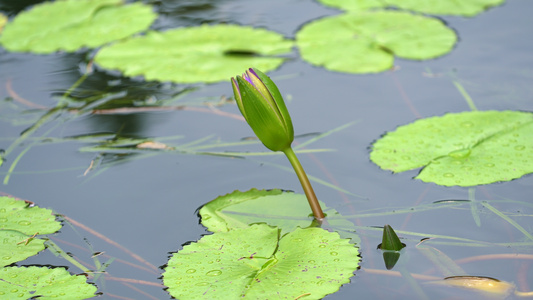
point(196, 54)
point(17, 247)
point(467, 8)
point(283, 209)
point(366, 42)
point(354, 5)
point(17, 215)
point(255, 262)
point(43, 283)
point(464, 149)
point(18, 223)
point(72, 24)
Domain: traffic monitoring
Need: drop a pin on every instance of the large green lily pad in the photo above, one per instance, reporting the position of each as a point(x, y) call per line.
point(43, 283)
point(255, 262)
point(283, 209)
point(366, 42)
point(464, 149)
point(196, 54)
point(72, 24)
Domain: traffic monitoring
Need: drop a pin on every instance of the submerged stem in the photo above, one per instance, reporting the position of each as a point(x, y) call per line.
point(306, 185)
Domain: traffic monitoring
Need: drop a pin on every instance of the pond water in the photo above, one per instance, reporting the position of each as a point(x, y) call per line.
point(147, 203)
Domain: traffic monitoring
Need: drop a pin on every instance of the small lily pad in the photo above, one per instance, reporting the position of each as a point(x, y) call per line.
point(466, 8)
point(283, 209)
point(464, 149)
point(255, 262)
point(72, 24)
point(196, 54)
point(43, 283)
point(366, 42)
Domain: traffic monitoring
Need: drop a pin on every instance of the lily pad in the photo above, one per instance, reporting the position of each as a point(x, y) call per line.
point(17, 246)
point(283, 209)
point(366, 42)
point(465, 149)
point(17, 215)
point(255, 262)
point(466, 8)
point(196, 54)
point(354, 5)
point(43, 283)
point(72, 24)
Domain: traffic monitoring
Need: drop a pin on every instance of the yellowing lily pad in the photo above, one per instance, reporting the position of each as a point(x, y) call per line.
point(256, 262)
point(464, 149)
point(438, 7)
point(196, 54)
point(366, 42)
point(72, 24)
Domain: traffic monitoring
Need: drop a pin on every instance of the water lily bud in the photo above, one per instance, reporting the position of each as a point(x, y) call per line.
point(261, 104)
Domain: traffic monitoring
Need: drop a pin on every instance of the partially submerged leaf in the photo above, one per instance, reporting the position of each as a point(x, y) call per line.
point(43, 283)
point(195, 54)
point(72, 24)
point(390, 240)
point(256, 263)
point(366, 42)
point(391, 246)
point(464, 149)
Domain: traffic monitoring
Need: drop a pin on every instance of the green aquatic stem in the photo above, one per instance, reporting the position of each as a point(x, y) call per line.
point(306, 185)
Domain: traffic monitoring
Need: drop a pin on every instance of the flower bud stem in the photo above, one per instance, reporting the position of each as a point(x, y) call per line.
point(306, 185)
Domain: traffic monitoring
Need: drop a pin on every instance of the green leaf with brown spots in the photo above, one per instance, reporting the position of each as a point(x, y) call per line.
point(465, 149)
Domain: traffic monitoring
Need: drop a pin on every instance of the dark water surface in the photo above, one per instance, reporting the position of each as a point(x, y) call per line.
point(148, 205)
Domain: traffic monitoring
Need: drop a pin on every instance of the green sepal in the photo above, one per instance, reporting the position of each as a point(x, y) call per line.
point(265, 123)
point(276, 95)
